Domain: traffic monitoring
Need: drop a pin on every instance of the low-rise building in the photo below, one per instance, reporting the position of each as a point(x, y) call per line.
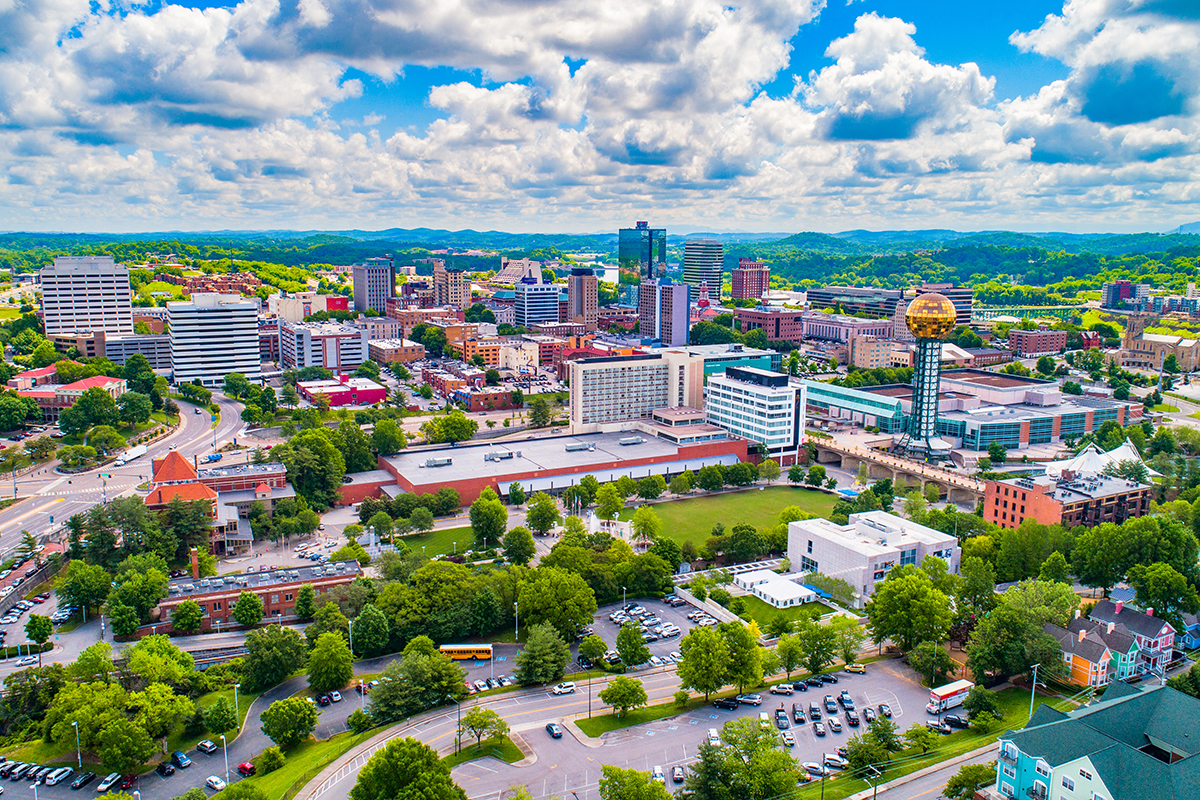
point(1121, 644)
point(863, 551)
point(296, 307)
point(1155, 637)
point(870, 352)
point(1135, 743)
point(842, 328)
point(344, 391)
point(1040, 342)
point(1067, 500)
point(780, 591)
point(53, 399)
point(379, 327)
point(486, 399)
point(332, 345)
point(395, 351)
point(1086, 657)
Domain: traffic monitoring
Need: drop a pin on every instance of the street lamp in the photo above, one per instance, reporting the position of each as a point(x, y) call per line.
point(458, 731)
point(78, 752)
point(226, 745)
point(34, 787)
point(361, 692)
point(622, 595)
point(350, 630)
point(236, 708)
point(517, 621)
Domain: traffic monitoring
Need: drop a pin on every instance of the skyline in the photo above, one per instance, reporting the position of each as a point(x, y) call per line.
point(789, 115)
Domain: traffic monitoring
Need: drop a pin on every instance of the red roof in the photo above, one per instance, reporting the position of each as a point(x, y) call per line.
point(262, 488)
point(96, 381)
point(184, 491)
point(40, 372)
point(174, 468)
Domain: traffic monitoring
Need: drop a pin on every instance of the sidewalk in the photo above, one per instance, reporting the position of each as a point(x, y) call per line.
point(941, 766)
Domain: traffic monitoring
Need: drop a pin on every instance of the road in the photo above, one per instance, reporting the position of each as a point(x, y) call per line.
point(50, 498)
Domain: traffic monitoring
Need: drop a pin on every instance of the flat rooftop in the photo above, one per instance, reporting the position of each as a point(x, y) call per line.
point(272, 468)
point(190, 587)
point(530, 456)
point(995, 380)
point(1092, 487)
point(874, 532)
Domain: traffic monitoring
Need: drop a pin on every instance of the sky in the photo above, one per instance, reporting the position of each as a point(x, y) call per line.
point(578, 116)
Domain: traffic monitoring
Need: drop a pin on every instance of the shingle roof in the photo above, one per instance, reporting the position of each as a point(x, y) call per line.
point(1091, 647)
point(1119, 641)
point(96, 381)
point(1138, 622)
point(172, 469)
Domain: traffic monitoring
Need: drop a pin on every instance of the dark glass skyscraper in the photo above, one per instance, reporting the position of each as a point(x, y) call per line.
point(642, 249)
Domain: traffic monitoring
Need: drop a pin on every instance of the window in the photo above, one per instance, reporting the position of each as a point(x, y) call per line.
point(287, 597)
point(274, 598)
point(1083, 773)
point(1068, 783)
point(810, 547)
point(1010, 772)
point(216, 605)
point(808, 565)
point(1042, 768)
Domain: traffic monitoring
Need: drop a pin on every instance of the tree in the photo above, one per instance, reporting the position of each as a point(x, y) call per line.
point(623, 694)
point(609, 502)
point(542, 514)
point(908, 609)
point(749, 766)
point(919, 735)
point(405, 769)
point(631, 646)
point(997, 453)
point(122, 746)
point(370, 632)
point(83, 585)
point(421, 519)
point(305, 602)
point(328, 619)
point(647, 527)
point(848, 637)
point(816, 475)
point(1161, 587)
point(963, 783)
point(220, 717)
point(981, 703)
point(539, 413)
point(560, 598)
point(248, 610)
point(39, 629)
point(518, 546)
point(818, 643)
point(682, 483)
point(791, 653)
point(105, 438)
point(315, 466)
point(1054, 568)
point(483, 722)
point(272, 653)
point(236, 385)
point(545, 657)
point(978, 587)
point(329, 664)
point(187, 617)
point(134, 408)
point(290, 721)
point(863, 752)
point(651, 487)
point(884, 731)
point(745, 656)
point(628, 784)
point(422, 679)
point(932, 661)
point(387, 439)
point(489, 518)
point(768, 470)
point(593, 648)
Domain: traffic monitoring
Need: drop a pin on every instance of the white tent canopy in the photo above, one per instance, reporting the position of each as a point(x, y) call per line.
point(1091, 460)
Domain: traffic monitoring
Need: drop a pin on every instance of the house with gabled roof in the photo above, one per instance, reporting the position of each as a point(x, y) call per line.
point(1120, 642)
point(1136, 743)
point(1085, 655)
point(1155, 637)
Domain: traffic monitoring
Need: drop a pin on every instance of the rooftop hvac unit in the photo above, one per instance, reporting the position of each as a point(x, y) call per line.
point(631, 440)
point(575, 447)
point(439, 462)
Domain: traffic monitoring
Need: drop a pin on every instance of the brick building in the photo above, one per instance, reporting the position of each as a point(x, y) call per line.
point(53, 399)
point(393, 351)
point(751, 279)
point(1067, 500)
point(1040, 342)
point(777, 324)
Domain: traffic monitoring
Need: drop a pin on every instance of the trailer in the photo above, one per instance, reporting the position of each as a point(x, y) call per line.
point(131, 454)
point(949, 696)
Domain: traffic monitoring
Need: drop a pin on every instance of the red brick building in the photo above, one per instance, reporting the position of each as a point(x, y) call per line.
point(751, 279)
point(52, 400)
point(1041, 342)
point(777, 324)
point(1069, 501)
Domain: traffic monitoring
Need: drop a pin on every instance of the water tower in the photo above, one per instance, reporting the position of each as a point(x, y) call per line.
point(929, 318)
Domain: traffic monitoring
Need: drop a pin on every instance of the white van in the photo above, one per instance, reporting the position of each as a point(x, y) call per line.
point(713, 737)
point(58, 775)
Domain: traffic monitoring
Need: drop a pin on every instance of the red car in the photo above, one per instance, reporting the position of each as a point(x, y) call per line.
point(246, 769)
point(470, 688)
point(127, 782)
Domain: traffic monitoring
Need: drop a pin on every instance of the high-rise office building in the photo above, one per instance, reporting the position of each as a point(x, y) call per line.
point(703, 261)
point(213, 335)
point(642, 249)
point(611, 390)
point(332, 345)
point(663, 312)
point(536, 302)
point(86, 294)
point(583, 295)
point(374, 283)
point(450, 286)
point(760, 406)
point(751, 279)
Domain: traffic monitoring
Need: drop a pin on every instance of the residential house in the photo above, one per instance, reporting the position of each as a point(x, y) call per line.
point(1155, 637)
point(1085, 655)
point(1121, 644)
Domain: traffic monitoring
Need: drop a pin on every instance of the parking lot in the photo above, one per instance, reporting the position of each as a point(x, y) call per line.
point(664, 614)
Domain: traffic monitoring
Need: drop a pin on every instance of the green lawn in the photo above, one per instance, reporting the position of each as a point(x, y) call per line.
point(1164, 408)
point(501, 748)
point(446, 540)
point(762, 612)
point(603, 723)
point(304, 762)
point(692, 519)
point(9, 313)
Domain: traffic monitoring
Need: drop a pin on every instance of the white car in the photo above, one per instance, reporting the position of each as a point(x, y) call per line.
point(215, 783)
point(750, 699)
point(335, 697)
point(110, 780)
point(27, 661)
point(564, 688)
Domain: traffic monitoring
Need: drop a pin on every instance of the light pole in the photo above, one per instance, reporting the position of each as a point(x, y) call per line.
point(622, 596)
point(226, 745)
point(1032, 690)
point(350, 629)
point(78, 752)
point(517, 621)
point(34, 787)
point(458, 730)
point(361, 691)
point(236, 708)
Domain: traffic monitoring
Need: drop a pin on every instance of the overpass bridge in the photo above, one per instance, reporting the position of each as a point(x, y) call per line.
point(984, 313)
point(954, 487)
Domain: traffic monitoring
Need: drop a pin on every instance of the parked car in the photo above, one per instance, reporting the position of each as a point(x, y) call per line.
point(82, 780)
point(207, 746)
point(214, 783)
point(837, 762)
point(127, 782)
point(886, 710)
point(657, 774)
point(846, 700)
point(165, 769)
point(567, 687)
point(830, 704)
point(818, 728)
point(783, 688)
point(788, 739)
point(940, 727)
point(816, 683)
point(727, 703)
point(869, 714)
point(835, 725)
point(554, 730)
point(955, 721)
point(677, 774)
point(857, 669)
point(799, 686)
point(852, 718)
point(814, 711)
point(750, 699)
point(324, 699)
point(58, 776)
point(110, 780)
point(180, 759)
point(247, 769)
point(335, 697)
point(828, 678)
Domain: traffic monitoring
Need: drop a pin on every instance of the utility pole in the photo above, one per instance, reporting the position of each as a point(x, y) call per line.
point(1032, 690)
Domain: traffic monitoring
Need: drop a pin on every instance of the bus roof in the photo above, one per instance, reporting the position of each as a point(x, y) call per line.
point(952, 688)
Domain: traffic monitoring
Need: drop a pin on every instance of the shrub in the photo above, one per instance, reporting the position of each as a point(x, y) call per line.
point(681, 698)
point(271, 759)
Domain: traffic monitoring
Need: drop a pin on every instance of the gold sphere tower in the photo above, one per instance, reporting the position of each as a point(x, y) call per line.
point(929, 318)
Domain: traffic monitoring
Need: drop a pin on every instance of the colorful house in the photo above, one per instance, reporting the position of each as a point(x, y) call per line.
point(1155, 637)
point(1121, 643)
point(1085, 655)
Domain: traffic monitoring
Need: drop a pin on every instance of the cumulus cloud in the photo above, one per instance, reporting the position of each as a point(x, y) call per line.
point(586, 113)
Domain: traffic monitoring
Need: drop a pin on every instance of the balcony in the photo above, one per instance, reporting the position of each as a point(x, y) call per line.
point(1036, 792)
point(1006, 757)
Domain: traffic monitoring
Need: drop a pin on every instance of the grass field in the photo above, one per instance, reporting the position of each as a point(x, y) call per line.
point(604, 723)
point(303, 763)
point(762, 612)
point(7, 312)
point(1165, 409)
point(498, 747)
point(692, 519)
point(446, 540)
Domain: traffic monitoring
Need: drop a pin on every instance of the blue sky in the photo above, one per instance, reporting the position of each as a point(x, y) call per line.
point(569, 115)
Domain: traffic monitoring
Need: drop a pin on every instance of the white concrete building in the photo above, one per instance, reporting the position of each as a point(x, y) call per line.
point(608, 392)
point(332, 345)
point(864, 551)
point(536, 302)
point(213, 335)
point(86, 294)
point(759, 406)
point(781, 591)
point(374, 283)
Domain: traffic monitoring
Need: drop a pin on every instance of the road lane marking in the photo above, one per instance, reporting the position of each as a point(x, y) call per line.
point(30, 513)
point(47, 488)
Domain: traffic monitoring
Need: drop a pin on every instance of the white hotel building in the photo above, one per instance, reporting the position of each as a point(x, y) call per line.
point(213, 335)
point(758, 406)
point(86, 294)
